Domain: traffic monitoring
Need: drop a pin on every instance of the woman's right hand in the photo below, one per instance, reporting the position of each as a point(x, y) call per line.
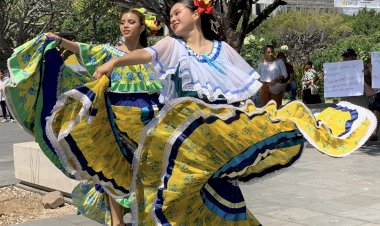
point(105, 69)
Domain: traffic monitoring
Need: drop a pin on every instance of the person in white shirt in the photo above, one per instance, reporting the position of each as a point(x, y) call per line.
point(4, 109)
point(271, 73)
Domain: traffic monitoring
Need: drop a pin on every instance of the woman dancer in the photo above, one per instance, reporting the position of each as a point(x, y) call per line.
point(192, 156)
point(132, 89)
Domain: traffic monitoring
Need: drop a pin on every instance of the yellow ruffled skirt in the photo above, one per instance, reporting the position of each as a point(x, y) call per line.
point(191, 156)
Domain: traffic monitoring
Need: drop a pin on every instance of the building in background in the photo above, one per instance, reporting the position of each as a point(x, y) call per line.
point(339, 6)
point(353, 6)
point(315, 5)
point(298, 5)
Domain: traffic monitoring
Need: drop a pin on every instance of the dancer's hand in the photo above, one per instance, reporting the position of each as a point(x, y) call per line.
point(105, 69)
point(53, 36)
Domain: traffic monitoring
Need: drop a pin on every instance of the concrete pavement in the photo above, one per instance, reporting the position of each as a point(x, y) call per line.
point(320, 190)
point(316, 190)
point(10, 133)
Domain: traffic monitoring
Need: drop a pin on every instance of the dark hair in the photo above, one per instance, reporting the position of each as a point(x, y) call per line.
point(309, 63)
point(268, 47)
point(205, 21)
point(143, 36)
point(68, 35)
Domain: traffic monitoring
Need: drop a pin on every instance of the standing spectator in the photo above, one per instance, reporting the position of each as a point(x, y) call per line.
point(349, 54)
point(309, 79)
point(4, 109)
point(290, 83)
point(373, 97)
point(362, 100)
point(271, 72)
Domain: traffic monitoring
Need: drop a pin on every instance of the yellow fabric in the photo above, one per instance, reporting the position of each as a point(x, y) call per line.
point(211, 146)
point(333, 117)
point(96, 140)
point(128, 120)
point(71, 60)
point(323, 138)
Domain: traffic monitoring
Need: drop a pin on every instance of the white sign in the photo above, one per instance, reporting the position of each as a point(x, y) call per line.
point(375, 61)
point(357, 3)
point(344, 78)
point(265, 2)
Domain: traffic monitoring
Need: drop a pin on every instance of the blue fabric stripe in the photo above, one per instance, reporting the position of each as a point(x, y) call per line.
point(247, 157)
point(251, 155)
point(274, 168)
point(84, 164)
point(226, 216)
point(191, 52)
point(226, 189)
point(158, 62)
point(93, 112)
point(354, 115)
point(139, 100)
point(173, 155)
point(86, 91)
point(223, 210)
point(125, 147)
point(99, 188)
point(147, 114)
point(49, 84)
point(230, 193)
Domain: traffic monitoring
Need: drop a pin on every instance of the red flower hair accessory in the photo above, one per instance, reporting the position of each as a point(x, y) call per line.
point(204, 6)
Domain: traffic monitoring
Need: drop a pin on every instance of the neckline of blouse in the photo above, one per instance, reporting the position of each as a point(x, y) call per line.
point(212, 55)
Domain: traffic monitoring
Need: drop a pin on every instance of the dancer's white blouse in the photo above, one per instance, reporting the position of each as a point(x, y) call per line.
point(222, 72)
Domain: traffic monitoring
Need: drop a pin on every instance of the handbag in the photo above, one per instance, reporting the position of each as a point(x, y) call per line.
point(313, 89)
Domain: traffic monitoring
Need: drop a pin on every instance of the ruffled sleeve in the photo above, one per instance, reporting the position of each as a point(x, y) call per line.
point(236, 59)
point(165, 57)
point(220, 73)
point(93, 56)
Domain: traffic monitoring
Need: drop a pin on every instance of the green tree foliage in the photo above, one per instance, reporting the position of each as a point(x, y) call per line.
point(366, 22)
point(24, 19)
point(253, 48)
point(304, 31)
point(93, 21)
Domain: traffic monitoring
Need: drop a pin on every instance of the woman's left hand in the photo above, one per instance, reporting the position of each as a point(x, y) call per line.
point(105, 69)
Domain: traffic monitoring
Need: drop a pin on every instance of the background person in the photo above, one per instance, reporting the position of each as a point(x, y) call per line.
point(3, 104)
point(291, 85)
point(271, 72)
point(362, 100)
point(309, 79)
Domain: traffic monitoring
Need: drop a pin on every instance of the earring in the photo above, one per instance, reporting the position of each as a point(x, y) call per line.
point(214, 26)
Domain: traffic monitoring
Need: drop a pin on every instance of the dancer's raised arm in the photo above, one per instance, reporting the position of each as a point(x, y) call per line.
point(65, 43)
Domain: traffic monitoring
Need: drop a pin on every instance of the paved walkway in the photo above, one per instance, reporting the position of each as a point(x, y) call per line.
point(10, 133)
point(316, 190)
